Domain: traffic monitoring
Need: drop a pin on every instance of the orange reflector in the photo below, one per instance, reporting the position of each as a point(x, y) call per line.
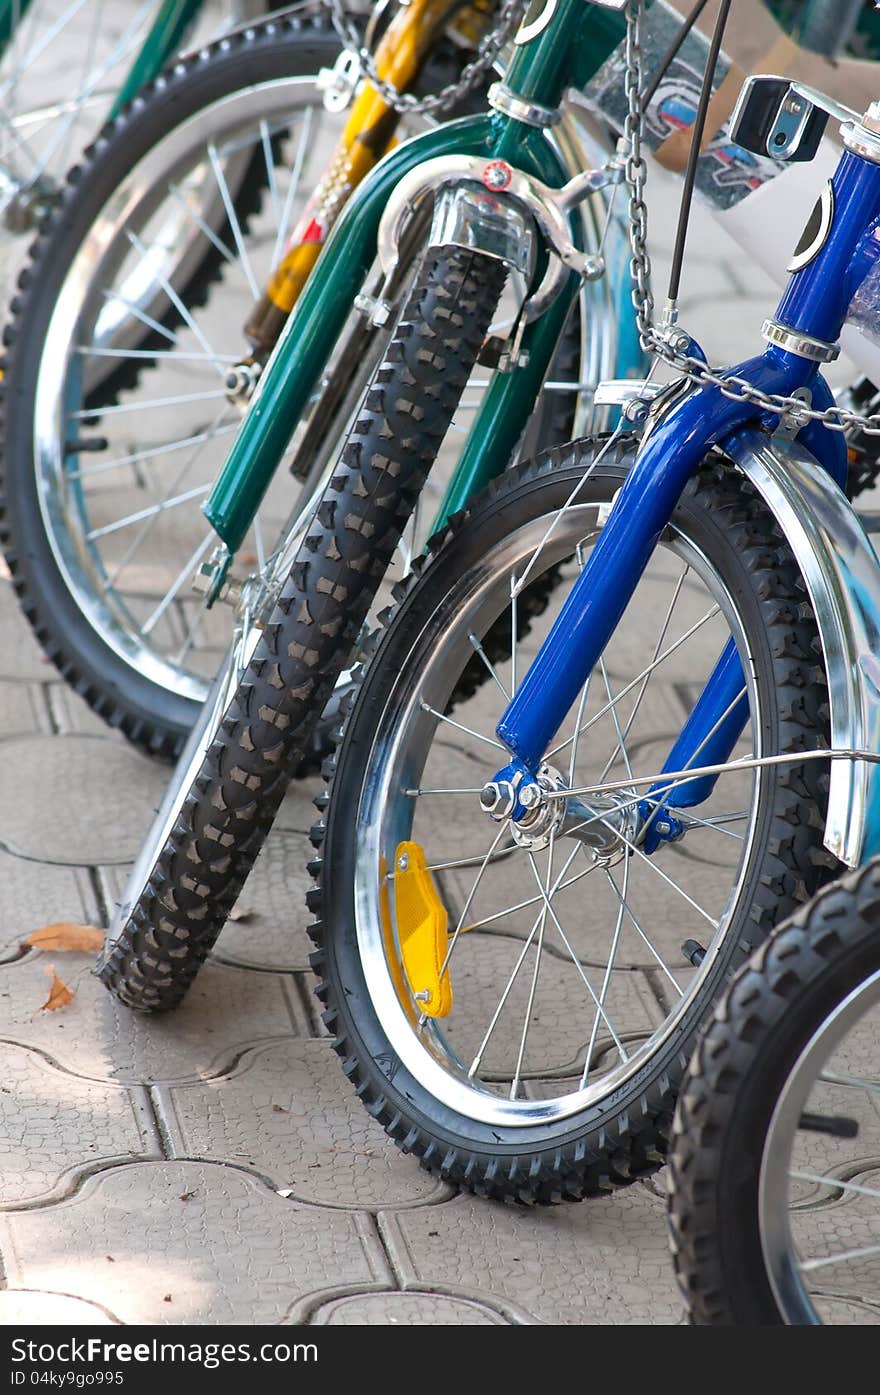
point(422, 925)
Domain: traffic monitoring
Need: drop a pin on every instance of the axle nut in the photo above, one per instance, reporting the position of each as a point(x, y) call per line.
point(498, 798)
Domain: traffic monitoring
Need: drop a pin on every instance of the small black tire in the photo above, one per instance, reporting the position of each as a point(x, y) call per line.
point(768, 1014)
point(623, 1137)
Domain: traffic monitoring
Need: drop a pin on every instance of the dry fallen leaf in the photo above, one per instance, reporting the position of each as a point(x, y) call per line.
point(241, 913)
point(59, 993)
point(66, 935)
point(5, 573)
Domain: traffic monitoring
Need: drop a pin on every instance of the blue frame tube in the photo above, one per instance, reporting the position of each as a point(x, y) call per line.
point(640, 513)
point(815, 302)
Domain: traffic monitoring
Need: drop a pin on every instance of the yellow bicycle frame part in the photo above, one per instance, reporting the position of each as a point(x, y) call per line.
point(369, 134)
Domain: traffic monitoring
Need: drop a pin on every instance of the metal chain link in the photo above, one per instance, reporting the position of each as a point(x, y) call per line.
point(653, 341)
point(509, 17)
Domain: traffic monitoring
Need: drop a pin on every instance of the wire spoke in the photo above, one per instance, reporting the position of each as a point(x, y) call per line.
point(468, 731)
point(850, 1082)
point(108, 293)
point(293, 186)
point(271, 176)
point(185, 572)
point(475, 1064)
point(178, 357)
point(87, 471)
point(660, 873)
point(647, 671)
point(641, 693)
point(212, 395)
point(175, 299)
point(609, 967)
point(514, 1087)
point(561, 886)
point(650, 947)
point(621, 743)
point(560, 513)
point(234, 223)
point(419, 793)
point(450, 949)
point(149, 512)
point(478, 648)
point(810, 1265)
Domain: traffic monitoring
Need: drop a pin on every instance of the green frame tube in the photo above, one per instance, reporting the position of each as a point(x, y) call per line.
point(569, 47)
point(309, 335)
point(8, 18)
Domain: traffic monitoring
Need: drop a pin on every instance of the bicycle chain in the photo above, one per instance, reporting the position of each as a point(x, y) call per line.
point(489, 47)
point(654, 341)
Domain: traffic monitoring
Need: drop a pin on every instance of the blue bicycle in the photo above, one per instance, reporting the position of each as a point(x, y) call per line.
point(529, 900)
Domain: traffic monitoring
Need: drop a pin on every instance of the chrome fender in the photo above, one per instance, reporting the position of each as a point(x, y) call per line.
point(842, 576)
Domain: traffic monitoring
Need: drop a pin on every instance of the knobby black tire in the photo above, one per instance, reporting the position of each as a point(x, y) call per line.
point(768, 1014)
point(628, 1139)
point(337, 571)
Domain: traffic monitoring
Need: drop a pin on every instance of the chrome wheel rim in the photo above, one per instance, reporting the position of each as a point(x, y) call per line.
point(150, 624)
point(498, 1090)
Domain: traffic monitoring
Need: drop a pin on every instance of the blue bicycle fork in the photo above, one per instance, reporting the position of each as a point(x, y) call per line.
point(814, 304)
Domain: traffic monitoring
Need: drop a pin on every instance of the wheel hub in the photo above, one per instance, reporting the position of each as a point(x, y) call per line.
point(539, 811)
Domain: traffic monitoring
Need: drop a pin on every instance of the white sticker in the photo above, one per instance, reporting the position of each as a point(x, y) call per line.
point(530, 29)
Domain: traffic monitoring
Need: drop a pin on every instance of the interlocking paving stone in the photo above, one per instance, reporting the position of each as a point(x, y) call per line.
point(603, 1261)
point(53, 1125)
point(297, 812)
point(77, 799)
point(24, 708)
point(272, 933)
point(33, 895)
point(27, 1308)
point(72, 714)
point(226, 1010)
point(288, 1112)
point(560, 1027)
point(405, 1310)
point(222, 1246)
point(21, 657)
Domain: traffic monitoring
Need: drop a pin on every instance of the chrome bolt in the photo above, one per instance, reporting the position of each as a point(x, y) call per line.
point(636, 411)
point(402, 862)
point(530, 797)
point(424, 996)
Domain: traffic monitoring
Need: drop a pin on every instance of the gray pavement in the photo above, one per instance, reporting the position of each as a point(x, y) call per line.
point(215, 1166)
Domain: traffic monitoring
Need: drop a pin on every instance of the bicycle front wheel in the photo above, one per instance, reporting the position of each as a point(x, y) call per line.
point(518, 1008)
point(774, 1203)
point(231, 778)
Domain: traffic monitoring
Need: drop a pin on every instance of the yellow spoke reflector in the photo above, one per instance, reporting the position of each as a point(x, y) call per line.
point(422, 923)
